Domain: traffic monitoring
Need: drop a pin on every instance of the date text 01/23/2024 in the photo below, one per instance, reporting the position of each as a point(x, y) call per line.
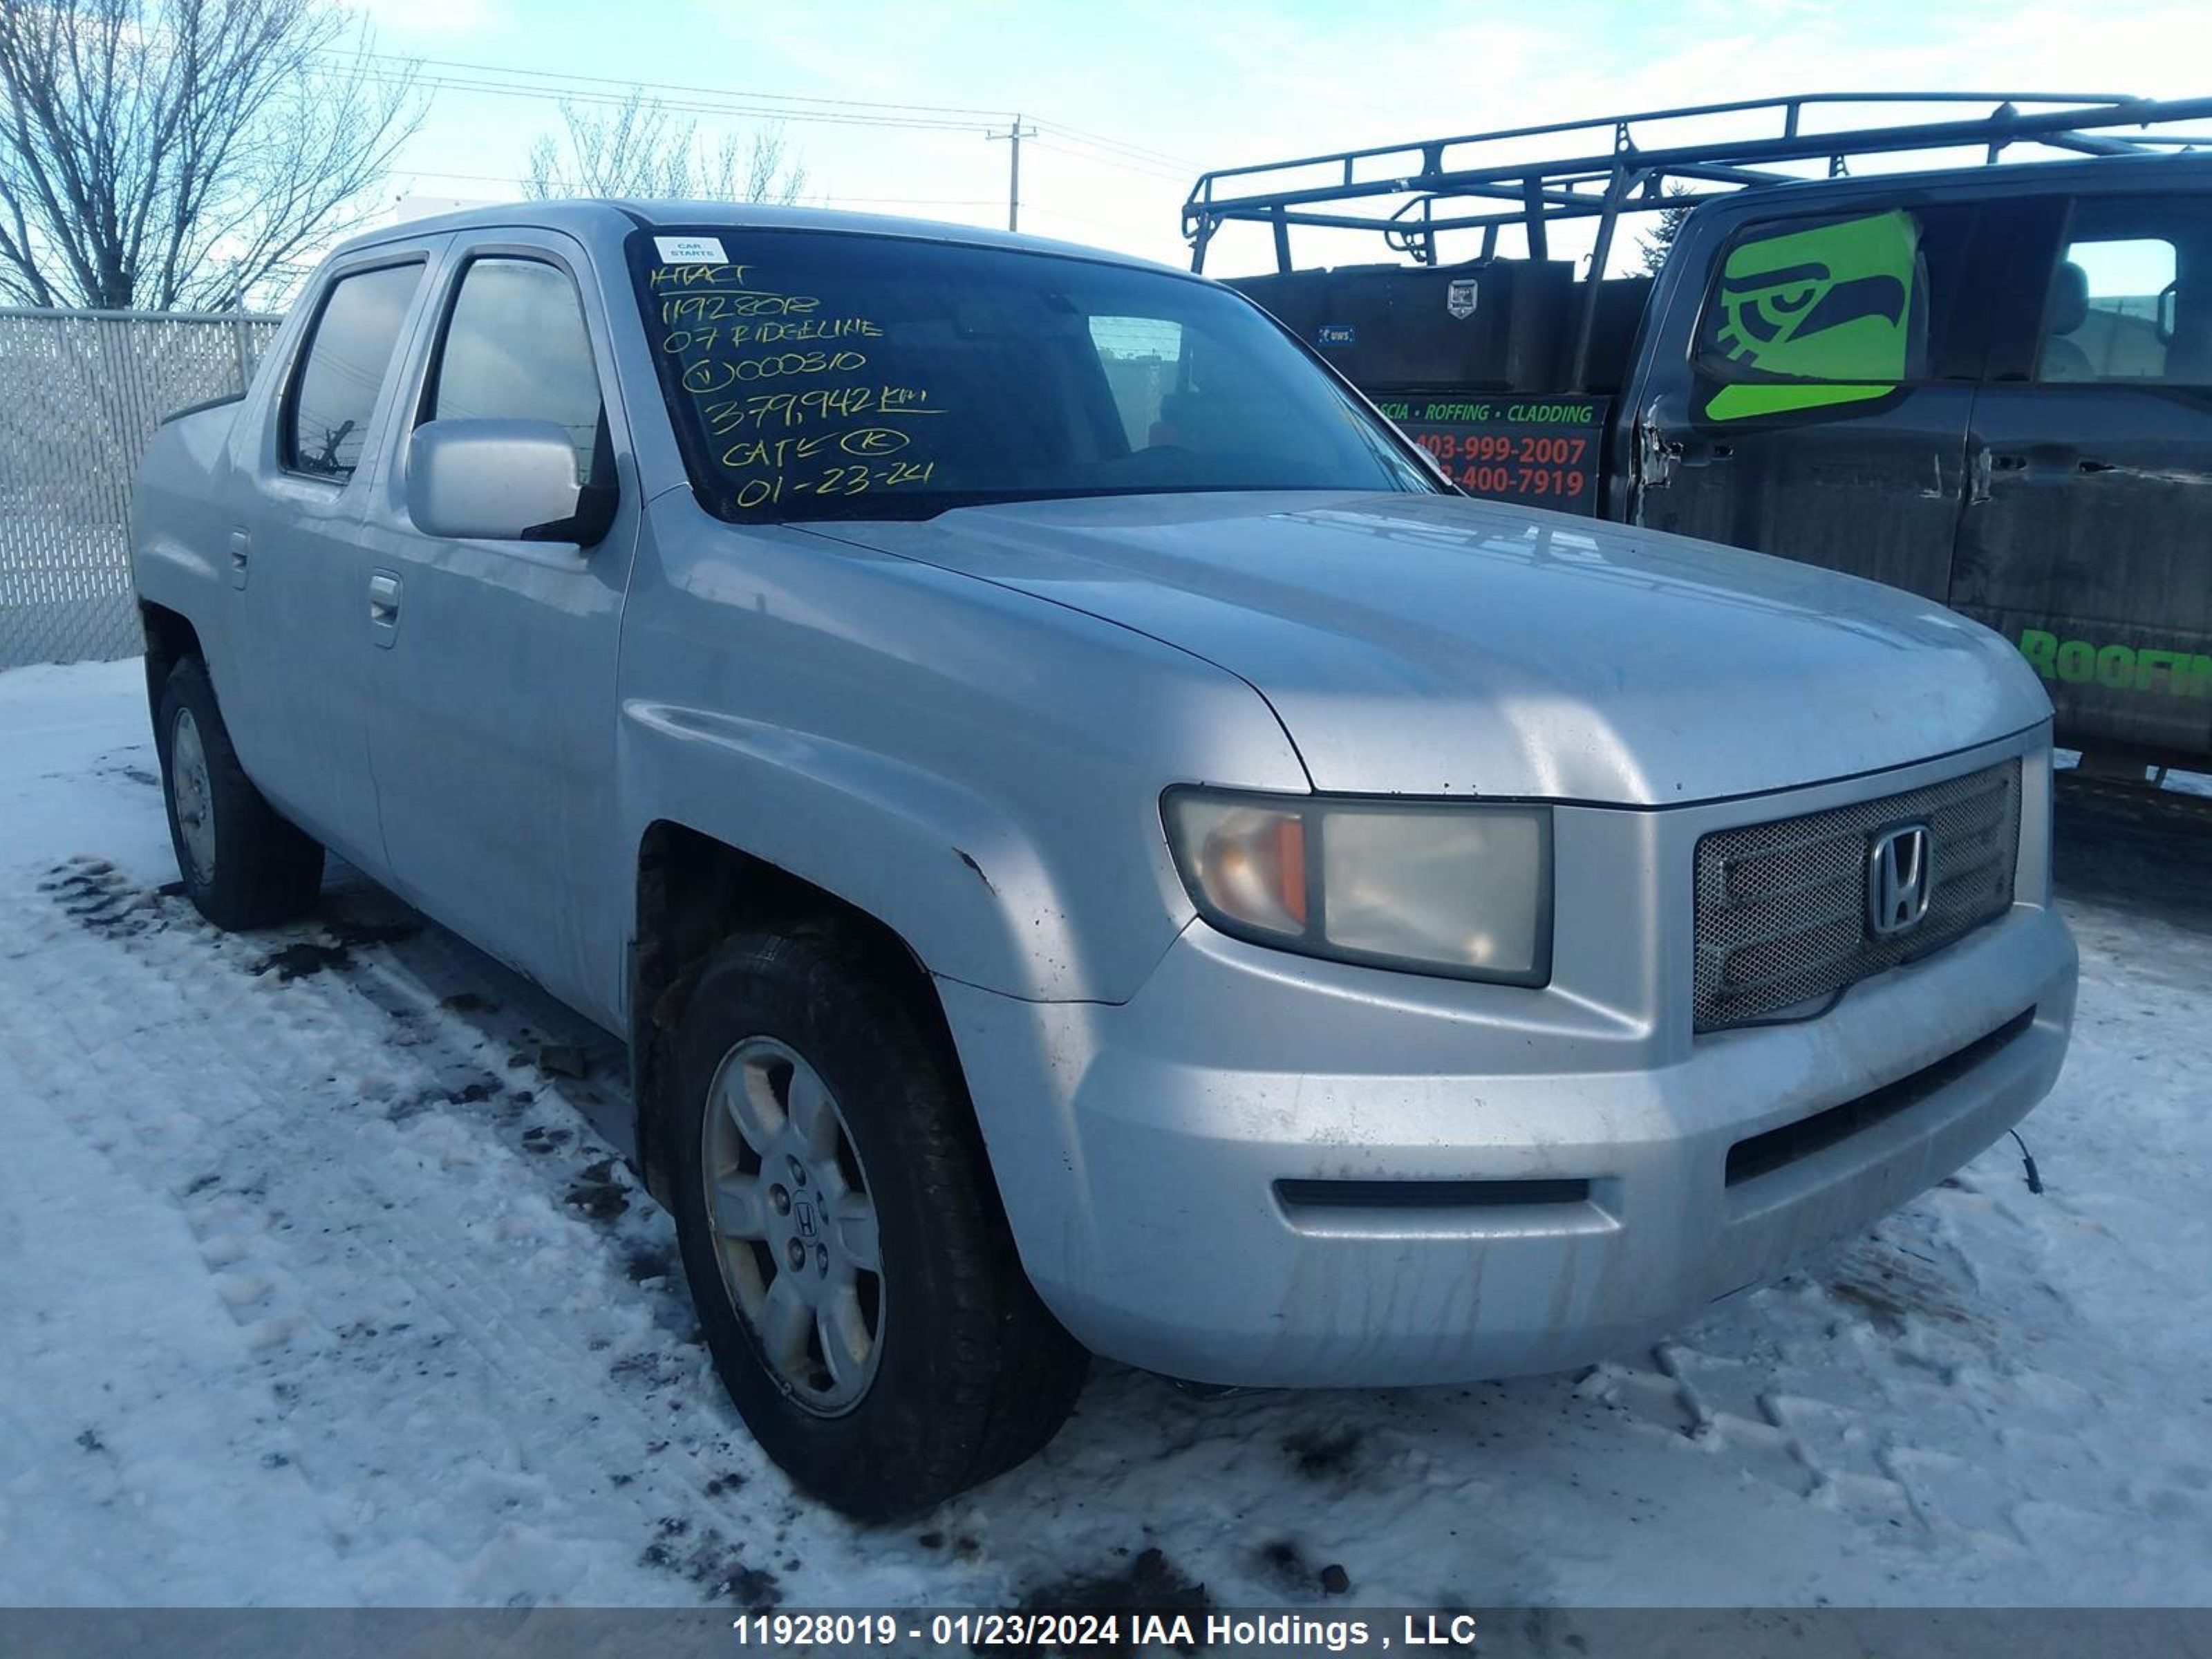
point(970, 1632)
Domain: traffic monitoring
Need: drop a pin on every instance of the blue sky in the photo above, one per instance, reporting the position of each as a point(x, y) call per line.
point(1192, 83)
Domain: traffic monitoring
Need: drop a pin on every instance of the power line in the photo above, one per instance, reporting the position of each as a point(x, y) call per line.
point(1184, 166)
point(669, 86)
point(1110, 162)
point(485, 80)
point(389, 69)
point(377, 76)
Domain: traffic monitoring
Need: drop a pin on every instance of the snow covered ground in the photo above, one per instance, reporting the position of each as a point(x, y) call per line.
point(313, 1289)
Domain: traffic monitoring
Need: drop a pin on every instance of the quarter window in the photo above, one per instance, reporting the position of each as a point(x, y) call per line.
point(516, 349)
point(343, 370)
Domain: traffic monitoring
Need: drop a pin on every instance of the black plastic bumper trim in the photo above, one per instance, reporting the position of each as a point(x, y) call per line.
point(1776, 1149)
point(1428, 1194)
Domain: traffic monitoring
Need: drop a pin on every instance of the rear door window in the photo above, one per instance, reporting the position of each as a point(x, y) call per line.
point(2128, 301)
point(1806, 314)
point(516, 347)
point(342, 372)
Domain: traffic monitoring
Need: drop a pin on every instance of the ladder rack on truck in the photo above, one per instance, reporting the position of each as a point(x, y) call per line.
point(1988, 385)
point(1414, 193)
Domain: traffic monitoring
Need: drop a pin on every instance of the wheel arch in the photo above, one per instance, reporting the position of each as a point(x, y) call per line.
point(694, 891)
point(170, 638)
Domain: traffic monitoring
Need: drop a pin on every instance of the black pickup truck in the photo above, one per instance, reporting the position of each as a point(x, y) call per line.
point(1990, 385)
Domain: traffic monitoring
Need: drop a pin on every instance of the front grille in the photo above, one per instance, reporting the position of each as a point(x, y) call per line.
point(1782, 907)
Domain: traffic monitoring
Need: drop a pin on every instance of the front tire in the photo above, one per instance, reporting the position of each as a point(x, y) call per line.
point(852, 1270)
point(243, 865)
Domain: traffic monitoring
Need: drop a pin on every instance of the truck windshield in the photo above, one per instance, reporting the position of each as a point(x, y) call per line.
point(824, 374)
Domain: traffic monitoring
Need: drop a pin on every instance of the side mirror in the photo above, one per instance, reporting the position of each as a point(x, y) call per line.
point(500, 480)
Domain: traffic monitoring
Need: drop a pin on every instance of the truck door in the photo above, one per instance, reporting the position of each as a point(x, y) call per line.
point(1811, 396)
point(294, 696)
point(492, 663)
point(2087, 538)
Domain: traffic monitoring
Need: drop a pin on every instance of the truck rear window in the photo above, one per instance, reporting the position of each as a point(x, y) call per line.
point(826, 375)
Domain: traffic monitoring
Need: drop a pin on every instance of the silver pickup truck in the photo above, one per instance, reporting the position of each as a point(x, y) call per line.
point(1092, 845)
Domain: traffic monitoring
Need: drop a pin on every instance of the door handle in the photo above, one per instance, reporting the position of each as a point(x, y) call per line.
point(241, 547)
point(2047, 463)
point(383, 607)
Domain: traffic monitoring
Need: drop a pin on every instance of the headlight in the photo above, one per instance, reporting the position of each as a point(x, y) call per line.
point(1464, 890)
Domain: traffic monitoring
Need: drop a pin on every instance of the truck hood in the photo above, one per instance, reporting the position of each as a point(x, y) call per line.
point(1441, 645)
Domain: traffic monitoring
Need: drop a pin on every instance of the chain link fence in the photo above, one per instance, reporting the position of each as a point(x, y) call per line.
point(80, 393)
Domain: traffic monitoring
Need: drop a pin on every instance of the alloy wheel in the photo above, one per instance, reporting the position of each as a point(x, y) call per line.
point(794, 1225)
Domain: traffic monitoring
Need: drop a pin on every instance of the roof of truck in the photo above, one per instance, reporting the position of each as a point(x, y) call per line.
point(600, 219)
point(2107, 173)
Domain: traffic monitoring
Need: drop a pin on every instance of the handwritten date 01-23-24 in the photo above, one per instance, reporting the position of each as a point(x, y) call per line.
point(856, 478)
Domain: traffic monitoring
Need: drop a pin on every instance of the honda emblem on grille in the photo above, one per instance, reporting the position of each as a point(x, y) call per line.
point(1900, 878)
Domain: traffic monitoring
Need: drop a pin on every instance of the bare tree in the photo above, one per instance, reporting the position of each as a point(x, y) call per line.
point(183, 153)
point(638, 148)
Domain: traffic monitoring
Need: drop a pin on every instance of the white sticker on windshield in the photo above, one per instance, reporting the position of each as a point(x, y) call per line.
point(689, 250)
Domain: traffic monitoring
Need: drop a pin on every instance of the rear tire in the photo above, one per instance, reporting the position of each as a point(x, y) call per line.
point(243, 865)
point(809, 1098)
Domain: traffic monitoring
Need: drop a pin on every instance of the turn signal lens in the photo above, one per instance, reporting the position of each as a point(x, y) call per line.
point(1250, 861)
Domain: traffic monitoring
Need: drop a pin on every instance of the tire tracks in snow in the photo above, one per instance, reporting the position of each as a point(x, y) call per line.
point(397, 1215)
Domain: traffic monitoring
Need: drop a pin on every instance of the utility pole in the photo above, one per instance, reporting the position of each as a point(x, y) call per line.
point(1014, 134)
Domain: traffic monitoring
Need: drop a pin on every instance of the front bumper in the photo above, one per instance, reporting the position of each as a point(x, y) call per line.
point(1141, 1148)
